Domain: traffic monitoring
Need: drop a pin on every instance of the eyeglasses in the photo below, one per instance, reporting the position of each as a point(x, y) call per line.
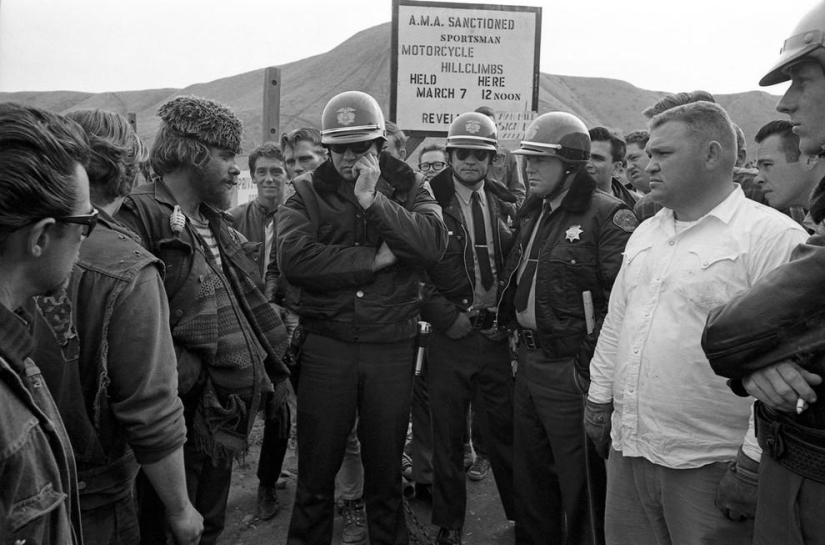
point(479, 154)
point(87, 221)
point(435, 165)
point(356, 147)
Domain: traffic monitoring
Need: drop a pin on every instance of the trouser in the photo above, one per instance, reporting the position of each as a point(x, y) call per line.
point(115, 523)
point(559, 479)
point(422, 432)
point(338, 381)
point(273, 449)
point(457, 367)
point(475, 425)
point(649, 504)
point(350, 478)
point(790, 509)
point(208, 489)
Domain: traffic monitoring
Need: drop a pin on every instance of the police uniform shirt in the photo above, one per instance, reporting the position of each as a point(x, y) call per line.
point(484, 299)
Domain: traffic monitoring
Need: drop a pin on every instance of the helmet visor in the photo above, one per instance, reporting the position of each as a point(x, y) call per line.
point(794, 49)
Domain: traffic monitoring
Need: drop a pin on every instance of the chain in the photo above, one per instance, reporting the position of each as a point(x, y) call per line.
point(418, 533)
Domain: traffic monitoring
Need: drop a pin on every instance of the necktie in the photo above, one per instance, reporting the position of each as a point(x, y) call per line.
point(482, 252)
point(526, 280)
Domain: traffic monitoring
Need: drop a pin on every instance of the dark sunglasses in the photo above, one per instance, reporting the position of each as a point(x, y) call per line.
point(356, 147)
point(435, 165)
point(87, 221)
point(479, 154)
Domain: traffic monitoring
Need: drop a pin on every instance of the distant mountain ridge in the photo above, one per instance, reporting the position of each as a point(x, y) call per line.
point(363, 63)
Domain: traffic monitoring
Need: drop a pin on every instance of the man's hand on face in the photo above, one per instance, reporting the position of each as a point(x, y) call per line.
point(383, 258)
point(368, 172)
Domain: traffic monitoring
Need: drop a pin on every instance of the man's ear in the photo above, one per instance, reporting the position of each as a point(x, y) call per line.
point(617, 169)
point(41, 235)
point(713, 154)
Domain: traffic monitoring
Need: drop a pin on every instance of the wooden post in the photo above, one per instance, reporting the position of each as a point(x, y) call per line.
point(132, 117)
point(272, 104)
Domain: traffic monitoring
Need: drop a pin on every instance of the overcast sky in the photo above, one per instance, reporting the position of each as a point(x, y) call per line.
point(722, 46)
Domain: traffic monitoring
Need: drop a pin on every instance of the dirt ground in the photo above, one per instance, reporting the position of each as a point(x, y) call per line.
point(485, 523)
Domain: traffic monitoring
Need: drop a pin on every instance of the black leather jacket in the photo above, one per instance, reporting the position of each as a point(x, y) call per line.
point(451, 284)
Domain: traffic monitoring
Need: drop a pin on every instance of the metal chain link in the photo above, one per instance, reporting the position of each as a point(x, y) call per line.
point(418, 533)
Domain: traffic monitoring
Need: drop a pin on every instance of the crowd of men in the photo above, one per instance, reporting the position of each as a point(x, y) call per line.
point(634, 323)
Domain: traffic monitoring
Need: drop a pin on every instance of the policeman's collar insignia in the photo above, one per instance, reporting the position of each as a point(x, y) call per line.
point(473, 126)
point(625, 220)
point(572, 234)
point(346, 115)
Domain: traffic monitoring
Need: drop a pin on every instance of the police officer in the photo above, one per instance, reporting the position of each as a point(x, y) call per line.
point(467, 353)
point(558, 279)
point(771, 339)
point(351, 241)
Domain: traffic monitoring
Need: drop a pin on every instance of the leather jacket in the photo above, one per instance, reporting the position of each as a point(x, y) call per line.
point(326, 246)
point(451, 285)
point(251, 219)
point(570, 262)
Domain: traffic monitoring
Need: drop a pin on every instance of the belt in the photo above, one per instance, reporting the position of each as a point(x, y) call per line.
point(529, 338)
point(799, 449)
point(483, 320)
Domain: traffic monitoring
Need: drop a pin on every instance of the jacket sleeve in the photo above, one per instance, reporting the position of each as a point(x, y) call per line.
point(417, 237)
point(782, 315)
point(437, 309)
point(143, 373)
point(306, 262)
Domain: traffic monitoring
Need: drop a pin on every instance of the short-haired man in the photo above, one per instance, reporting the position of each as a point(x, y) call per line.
point(351, 241)
point(432, 159)
point(769, 339)
point(466, 353)
point(45, 213)
point(303, 151)
point(115, 381)
point(558, 279)
point(607, 150)
point(675, 425)
point(787, 181)
point(637, 160)
point(228, 338)
point(396, 141)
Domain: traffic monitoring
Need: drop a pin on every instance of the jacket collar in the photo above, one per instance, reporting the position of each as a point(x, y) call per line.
point(578, 196)
point(443, 189)
point(17, 343)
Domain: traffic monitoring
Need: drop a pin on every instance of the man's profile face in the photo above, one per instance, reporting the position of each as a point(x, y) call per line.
point(392, 147)
point(218, 178)
point(305, 156)
point(545, 175)
point(344, 162)
point(804, 103)
point(675, 167)
point(601, 165)
point(270, 177)
point(783, 182)
point(637, 161)
point(473, 167)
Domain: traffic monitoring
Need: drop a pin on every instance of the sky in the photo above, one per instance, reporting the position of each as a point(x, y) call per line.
point(722, 46)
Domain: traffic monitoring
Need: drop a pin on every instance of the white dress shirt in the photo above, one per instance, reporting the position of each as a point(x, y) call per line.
point(670, 407)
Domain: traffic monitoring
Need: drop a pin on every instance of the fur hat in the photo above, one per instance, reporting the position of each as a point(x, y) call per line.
point(208, 121)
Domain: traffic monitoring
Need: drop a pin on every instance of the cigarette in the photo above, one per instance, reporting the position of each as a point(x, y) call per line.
point(801, 405)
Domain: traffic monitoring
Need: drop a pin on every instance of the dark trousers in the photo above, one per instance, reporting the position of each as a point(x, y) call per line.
point(115, 523)
point(560, 480)
point(790, 509)
point(421, 450)
point(273, 446)
point(208, 489)
point(338, 379)
point(457, 368)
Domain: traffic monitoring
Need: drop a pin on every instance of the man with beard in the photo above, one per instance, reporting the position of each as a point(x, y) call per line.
point(229, 340)
point(466, 352)
point(351, 241)
point(45, 213)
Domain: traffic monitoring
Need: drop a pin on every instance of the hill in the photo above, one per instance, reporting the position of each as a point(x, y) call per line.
point(363, 63)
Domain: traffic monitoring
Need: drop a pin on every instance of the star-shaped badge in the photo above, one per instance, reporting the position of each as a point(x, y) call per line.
point(573, 233)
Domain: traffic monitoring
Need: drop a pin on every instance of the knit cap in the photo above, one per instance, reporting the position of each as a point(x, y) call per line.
point(206, 120)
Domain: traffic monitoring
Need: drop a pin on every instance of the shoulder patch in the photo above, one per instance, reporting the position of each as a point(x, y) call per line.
point(625, 220)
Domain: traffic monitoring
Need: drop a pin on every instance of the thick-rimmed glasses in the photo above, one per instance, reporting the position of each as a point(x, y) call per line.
point(435, 165)
point(87, 221)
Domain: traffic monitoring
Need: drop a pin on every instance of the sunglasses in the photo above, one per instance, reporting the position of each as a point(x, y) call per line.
point(435, 165)
point(479, 154)
point(355, 147)
point(87, 221)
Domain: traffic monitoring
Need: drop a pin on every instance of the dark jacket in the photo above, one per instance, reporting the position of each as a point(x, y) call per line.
point(569, 265)
point(451, 285)
point(327, 243)
point(38, 482)
point(251, 219)
point(147, 211)
point(115, 379)
point(781, 317)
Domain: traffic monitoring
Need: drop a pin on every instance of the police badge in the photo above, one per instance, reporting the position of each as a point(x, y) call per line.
point(572, 234)
point(346, 115)
point(473, 126)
